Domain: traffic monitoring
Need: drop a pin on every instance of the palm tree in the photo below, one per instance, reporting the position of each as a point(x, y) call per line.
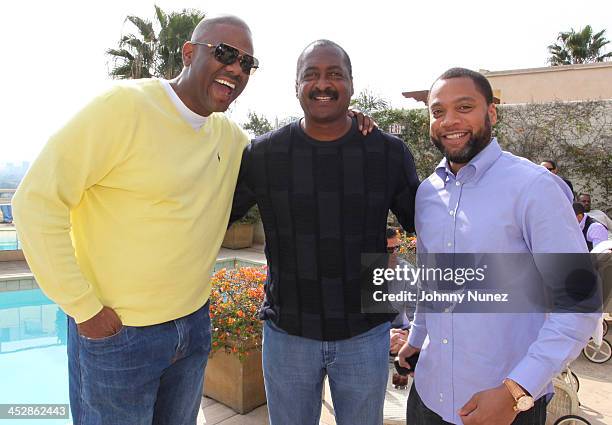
point(135, 55)
point(176, 27)
point(147, 53)
point(369, 102)
point(579, 47)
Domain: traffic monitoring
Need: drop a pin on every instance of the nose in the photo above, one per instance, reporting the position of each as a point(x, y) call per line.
point(322, 83)
point(450, 118)
point(234, 70)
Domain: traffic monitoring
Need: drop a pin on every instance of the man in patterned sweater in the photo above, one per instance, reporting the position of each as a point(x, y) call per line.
point(324, 191)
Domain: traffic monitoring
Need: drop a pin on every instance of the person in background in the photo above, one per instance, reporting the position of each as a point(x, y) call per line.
point(401, 324)
point(599, 215)
point(593, 231)
point(551, 166)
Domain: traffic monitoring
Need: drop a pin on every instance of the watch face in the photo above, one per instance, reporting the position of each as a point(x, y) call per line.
point(524, 403)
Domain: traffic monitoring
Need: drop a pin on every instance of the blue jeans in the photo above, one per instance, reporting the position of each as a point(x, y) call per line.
point(294, 368)
point(7, 213)
point(142, 375)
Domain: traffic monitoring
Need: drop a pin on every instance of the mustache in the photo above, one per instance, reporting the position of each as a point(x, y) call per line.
point(327, 92)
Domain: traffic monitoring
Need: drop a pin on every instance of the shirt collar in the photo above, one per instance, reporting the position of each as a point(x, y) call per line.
point(474, 169)
point(583, 221)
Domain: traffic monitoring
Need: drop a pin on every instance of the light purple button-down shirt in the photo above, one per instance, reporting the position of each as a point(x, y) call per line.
point(497, 203)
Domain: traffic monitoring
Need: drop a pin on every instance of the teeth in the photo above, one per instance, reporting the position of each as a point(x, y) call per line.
point(226, 83)
point(455, 135)
point(323, 98)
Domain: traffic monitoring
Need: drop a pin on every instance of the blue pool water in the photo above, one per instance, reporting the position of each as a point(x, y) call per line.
point(8, 240)
point(33, 360)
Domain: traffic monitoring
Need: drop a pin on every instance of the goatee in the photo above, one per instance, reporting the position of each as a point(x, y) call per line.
point(473, 147)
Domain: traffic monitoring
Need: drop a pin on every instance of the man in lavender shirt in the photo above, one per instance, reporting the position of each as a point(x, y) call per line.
point(478, 368)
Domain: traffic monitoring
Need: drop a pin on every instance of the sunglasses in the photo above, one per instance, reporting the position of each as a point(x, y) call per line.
point(227, 55)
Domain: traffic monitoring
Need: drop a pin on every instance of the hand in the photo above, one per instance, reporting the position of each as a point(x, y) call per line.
point(105, 323)
point(398, 339)
point(365, 122)
point(493, 406)
point(407, 351)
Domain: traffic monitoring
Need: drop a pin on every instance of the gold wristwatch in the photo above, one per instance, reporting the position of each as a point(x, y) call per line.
point(522, 401)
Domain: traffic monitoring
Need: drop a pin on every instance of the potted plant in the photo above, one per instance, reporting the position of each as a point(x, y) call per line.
point(234, 374)
point(240, 234)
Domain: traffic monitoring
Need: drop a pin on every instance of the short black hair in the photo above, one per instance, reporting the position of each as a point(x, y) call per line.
point(480, 81)
point(391, 233)
point(551, 162)
point(578, 208)
point(583, 194)
point(325, 43)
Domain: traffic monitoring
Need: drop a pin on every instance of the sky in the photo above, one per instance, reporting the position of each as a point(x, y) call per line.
point(52, 60)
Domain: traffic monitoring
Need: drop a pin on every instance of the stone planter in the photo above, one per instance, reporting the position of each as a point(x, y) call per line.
point(238, 385)
point(238, 236)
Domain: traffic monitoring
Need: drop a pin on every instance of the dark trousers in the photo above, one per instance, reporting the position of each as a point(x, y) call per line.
point(419, 414)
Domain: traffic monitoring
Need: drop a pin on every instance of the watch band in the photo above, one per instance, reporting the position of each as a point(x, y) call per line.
point(515, 389)
point(522, 400)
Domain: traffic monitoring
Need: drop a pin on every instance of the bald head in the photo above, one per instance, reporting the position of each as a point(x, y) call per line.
point(206, 25)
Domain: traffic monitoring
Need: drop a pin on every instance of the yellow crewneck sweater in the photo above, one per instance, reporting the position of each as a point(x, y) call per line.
point(127, 205)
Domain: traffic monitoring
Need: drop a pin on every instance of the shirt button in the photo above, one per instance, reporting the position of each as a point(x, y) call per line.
point(445, 341)
point(451, 212)
point(449, 244)
point(457, 184)
point(447, 310)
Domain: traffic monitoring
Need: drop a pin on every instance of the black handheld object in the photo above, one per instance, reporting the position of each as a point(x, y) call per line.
point(412, 361)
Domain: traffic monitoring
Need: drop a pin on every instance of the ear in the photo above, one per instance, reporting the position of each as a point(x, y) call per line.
point(492, 111)
point(296, 89)
point(187, 53)
point(352, 88)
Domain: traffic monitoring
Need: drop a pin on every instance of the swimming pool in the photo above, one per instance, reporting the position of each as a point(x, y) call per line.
point(8, 239)
point(33, 360)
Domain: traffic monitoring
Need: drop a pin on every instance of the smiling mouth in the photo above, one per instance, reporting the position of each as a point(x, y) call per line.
point(227, 86)
point(323, 97)
point(456, 135)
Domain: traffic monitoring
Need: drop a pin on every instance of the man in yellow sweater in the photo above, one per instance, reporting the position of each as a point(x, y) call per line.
point(121, 218)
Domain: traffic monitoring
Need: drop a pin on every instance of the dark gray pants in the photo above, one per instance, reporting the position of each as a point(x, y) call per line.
point(419, 414)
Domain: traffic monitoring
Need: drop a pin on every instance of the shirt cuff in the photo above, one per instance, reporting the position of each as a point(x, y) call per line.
point(530, 375)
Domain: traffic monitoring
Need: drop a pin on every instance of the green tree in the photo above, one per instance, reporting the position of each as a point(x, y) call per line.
point(147, 53)
point(369, 102)
point(176, 27)
point(412, 126)
point(257, 124)
point(579, 47)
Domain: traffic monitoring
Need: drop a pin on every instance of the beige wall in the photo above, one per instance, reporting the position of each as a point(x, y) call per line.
point(567, 82)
